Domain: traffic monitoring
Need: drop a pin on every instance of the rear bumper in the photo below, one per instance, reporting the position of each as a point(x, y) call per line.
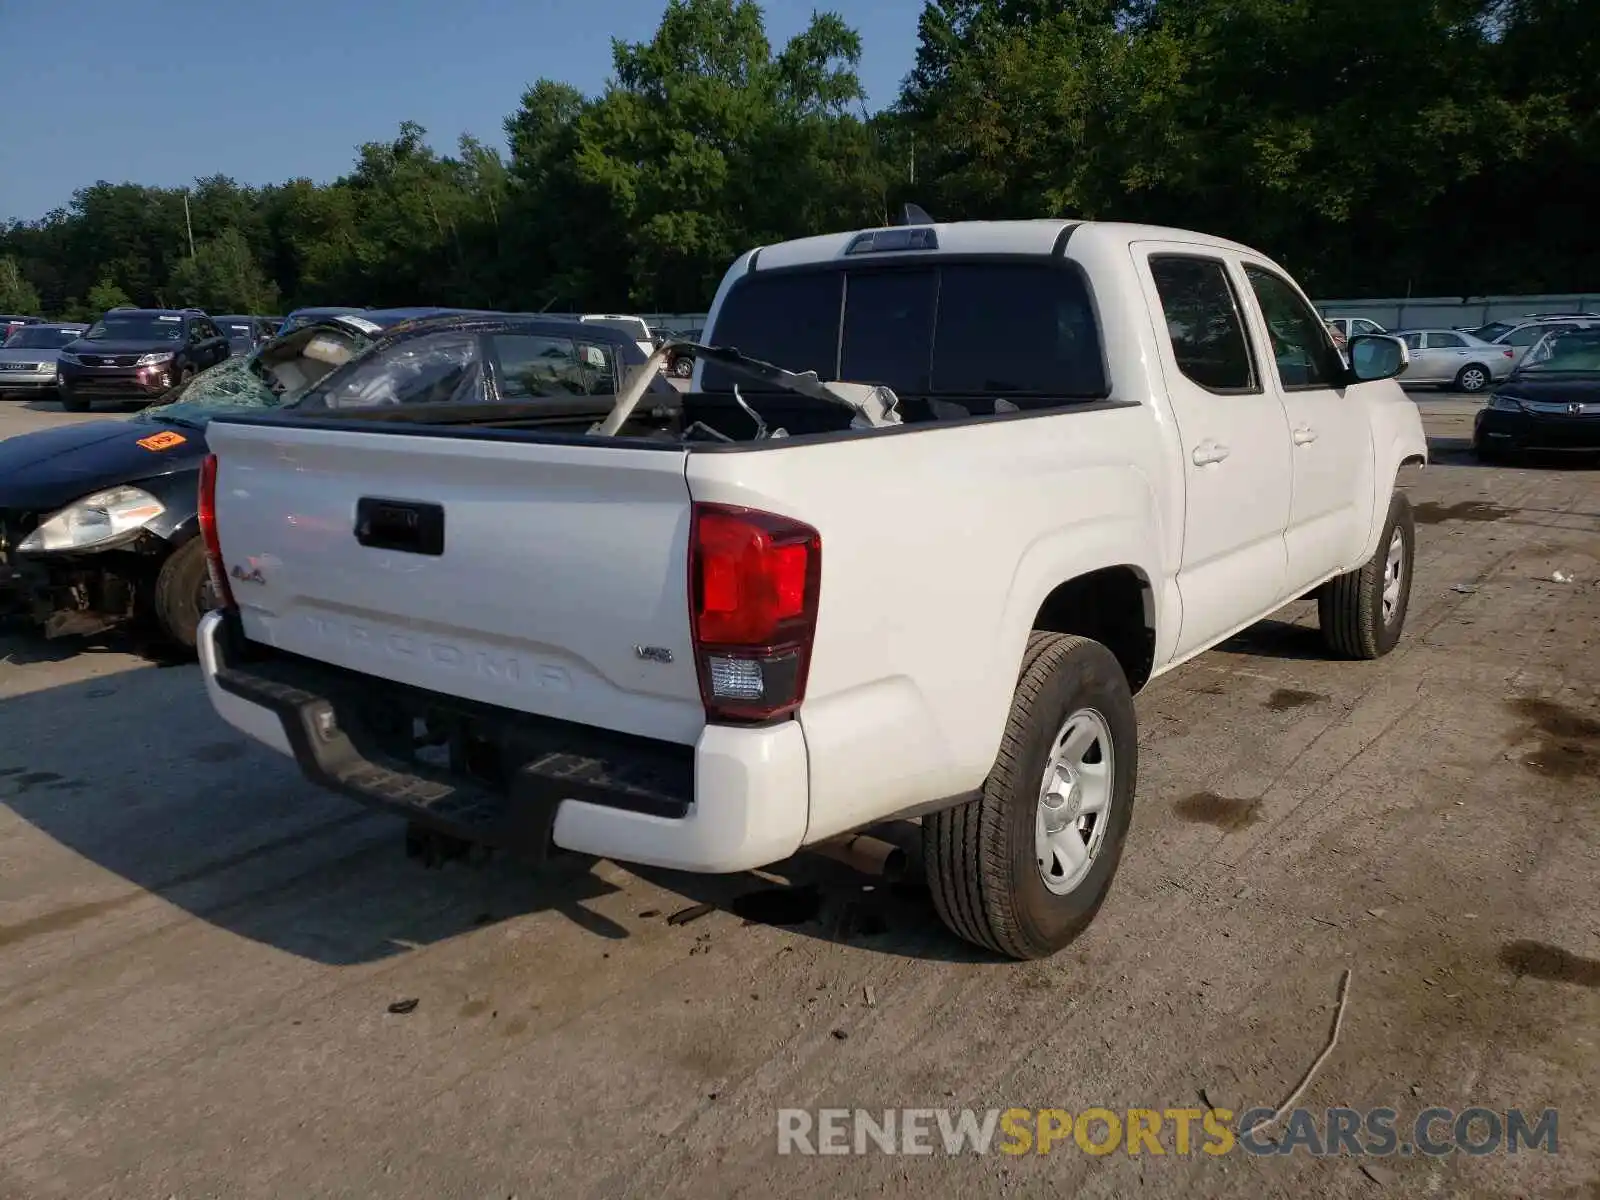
point(1524, 430)
point(734, 801)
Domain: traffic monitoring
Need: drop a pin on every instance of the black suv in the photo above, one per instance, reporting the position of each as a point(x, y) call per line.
point(138, 354)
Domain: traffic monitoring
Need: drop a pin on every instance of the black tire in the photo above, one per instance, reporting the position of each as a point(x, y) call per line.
point(980, 857)
point(682, 368)
point(1350, 606)
point(72, 402)
point(1473, 378)
point(180, 593)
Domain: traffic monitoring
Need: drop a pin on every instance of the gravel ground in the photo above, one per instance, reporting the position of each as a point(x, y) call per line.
point(198, 952)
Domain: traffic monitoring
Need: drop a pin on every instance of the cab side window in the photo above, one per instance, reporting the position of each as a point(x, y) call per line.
point(1204, 323)
point(1301, 346)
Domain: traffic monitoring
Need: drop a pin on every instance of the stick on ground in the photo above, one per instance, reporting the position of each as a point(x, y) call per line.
point(1305, 1081)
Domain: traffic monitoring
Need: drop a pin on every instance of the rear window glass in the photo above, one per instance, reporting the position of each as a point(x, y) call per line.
point(888, 329)
point(956, 329)
point(791, 321)
point(1016, 329)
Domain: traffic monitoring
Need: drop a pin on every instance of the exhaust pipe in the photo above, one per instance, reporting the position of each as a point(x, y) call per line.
point(869, 855)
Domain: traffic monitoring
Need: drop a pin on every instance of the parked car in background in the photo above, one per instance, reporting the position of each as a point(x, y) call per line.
point(634, 327)
point(1550, 402)
point(680, 359)
point(28, 356)
point(1520, 337)
point(98, 520)
point(1350, 327)
point(245, 332)
point(138, 354)
point(1453, 358)
point(305, 316)
point(11, 322)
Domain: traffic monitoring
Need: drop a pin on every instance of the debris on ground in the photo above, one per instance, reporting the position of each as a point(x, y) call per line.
point(870, 996)
point(648, 913)
point(1244, 893)
point(1305, 1081)
point(840, 1034)
point(1560, 577)
point(1377, 912)
point(693, 913)
point(1466, 589)
point(1378, 1175)
point(401, 1007)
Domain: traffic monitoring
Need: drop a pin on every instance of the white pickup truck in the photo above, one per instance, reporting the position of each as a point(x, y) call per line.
point(799, 608)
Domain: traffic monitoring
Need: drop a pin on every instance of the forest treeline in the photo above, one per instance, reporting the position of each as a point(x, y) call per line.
point(1426, 147)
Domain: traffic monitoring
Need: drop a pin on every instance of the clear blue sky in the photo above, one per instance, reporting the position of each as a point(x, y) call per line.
point(163, 91)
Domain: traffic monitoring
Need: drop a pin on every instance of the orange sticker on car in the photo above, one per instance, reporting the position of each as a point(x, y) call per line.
point(162, 441)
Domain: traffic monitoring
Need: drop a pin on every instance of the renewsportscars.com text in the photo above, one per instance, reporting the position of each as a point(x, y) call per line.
point(1376, 1132)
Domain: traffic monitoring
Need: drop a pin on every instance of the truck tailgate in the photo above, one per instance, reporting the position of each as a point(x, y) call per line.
point(557, 585)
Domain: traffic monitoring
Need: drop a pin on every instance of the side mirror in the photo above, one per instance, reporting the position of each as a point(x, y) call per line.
point(1376, 356)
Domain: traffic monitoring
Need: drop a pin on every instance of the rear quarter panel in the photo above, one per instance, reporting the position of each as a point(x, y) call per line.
point(938, 547)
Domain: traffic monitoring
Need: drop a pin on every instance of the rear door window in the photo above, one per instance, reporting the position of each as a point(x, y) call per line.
point(1204, 322)
point(541, 368)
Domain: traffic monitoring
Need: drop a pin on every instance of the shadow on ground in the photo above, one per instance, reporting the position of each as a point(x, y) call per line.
point(134, 772)
point(1458, 452)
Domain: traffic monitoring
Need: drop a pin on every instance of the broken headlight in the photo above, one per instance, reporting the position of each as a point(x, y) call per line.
point(103, 517)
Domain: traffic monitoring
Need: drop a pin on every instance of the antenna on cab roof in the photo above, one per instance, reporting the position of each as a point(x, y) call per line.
point(914, 214)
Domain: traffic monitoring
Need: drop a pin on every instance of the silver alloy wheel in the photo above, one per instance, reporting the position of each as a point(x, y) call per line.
point(1394, 571)
point(1473, 379)
point(1074, 801)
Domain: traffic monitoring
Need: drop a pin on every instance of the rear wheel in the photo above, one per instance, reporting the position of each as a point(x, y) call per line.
point(1362, 612)
point(1472, 378)
point(183, 593)
point(1023, 868)
point(682, 368)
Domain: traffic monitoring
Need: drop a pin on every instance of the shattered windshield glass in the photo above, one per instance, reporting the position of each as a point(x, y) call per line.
point(233, 384)
point(277, 374)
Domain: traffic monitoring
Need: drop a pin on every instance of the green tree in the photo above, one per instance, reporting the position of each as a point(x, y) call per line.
point(17, 295)
point(223, 276)
point(103, 297)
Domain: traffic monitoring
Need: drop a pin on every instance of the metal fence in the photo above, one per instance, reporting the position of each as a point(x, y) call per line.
point(1444, 312)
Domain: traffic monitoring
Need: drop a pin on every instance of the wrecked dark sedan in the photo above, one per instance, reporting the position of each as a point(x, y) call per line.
point(99, 521)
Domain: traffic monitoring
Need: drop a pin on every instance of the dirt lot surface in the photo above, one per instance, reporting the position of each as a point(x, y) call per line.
point(199, 953)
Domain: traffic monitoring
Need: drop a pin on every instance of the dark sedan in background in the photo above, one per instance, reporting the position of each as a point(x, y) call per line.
point(245, 331)
point(138, 354)
point(1550, 402)
point(28, 357)
point(99, 521)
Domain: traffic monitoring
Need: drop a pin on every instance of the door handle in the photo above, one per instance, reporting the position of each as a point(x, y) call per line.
point(1209, 452)
point(1304, 435)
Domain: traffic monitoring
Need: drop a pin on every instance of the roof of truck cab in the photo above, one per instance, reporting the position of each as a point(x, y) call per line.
point(1042, 236)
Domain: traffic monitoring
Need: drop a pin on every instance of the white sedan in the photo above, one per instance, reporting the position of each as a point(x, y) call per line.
point(1455, 359)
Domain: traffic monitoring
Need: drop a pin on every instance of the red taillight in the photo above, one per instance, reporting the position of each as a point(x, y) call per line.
point(753, 583)
point(1507, 353)
point(208, 531)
